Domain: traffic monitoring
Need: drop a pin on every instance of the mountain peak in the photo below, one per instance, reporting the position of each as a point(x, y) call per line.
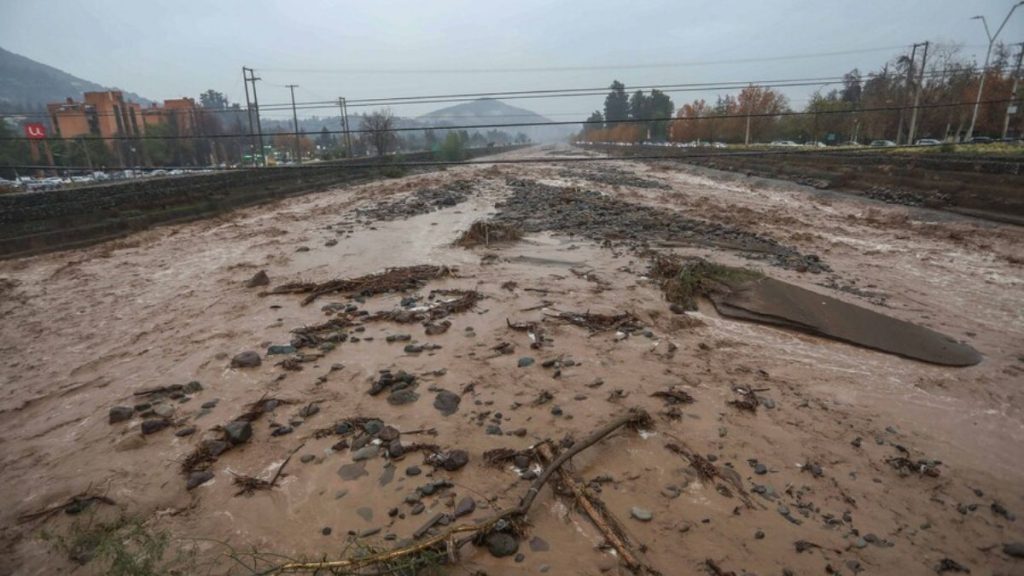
point(27, 85)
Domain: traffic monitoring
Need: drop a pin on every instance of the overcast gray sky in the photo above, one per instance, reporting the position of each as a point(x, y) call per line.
point(165, 49)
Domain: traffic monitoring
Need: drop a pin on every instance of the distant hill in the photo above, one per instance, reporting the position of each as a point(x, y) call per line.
point(27, 85)
point(490, 111)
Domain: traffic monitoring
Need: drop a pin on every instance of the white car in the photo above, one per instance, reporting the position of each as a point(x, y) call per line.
point(927, 142)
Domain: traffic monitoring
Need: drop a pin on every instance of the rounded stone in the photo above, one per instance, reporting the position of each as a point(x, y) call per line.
point(641, 514)
point(247, 359)
point(501, 544)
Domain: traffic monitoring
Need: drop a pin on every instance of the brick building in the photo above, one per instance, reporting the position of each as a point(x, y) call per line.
point(124, 124)
point(109, 115)
point(105, 114)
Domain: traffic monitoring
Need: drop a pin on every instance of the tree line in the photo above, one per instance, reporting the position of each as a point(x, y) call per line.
point(869, 106)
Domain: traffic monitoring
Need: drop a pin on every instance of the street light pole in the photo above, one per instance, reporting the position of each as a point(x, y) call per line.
point(988, 54)
point(1014, 105)
point(295, 123)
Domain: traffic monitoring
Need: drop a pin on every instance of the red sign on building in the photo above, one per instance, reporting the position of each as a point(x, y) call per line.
point(35, 131)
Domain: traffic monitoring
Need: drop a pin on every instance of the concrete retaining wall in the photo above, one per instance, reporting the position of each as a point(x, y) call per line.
point(36, 222)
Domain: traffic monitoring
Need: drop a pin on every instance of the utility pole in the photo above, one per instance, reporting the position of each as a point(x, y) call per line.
point(256, 105)
point(988, 54)
point(917, 94)
point(248, 111)
point(910, 80)
point(746, 136)
point(295, 123)
point(1013, 107)
point(348, 128)
point(343, 105)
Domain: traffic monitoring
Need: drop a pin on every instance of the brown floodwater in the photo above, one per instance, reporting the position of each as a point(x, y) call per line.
point(82, 330)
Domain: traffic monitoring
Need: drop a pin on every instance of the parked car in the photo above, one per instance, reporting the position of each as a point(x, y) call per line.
point(881, 143)
point(814, 144)
point(784, 143)
point(927, 142)
point(980, 140)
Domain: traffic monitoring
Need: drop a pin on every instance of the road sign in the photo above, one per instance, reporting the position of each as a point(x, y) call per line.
point(35, 131)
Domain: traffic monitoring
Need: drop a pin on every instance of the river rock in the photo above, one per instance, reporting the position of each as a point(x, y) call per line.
point(238, 432)
point(465, 506)
point(198, 478)
point(641, 514)
point(154, 425)
point(119, 414)
point(366, 452)
point(258, 279)
point(281, 349)
point(403, 397)
point(1014, 549)
point(447, 402)
point(501, 544)
point(248, 359)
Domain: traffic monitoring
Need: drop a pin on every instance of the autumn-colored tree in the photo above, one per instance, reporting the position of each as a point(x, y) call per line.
point(691, 123)
point(760, 105)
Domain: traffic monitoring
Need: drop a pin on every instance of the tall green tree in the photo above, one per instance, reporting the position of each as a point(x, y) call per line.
point(616, 104)
point(594, 122)
point(659, 105)
point(213, 100)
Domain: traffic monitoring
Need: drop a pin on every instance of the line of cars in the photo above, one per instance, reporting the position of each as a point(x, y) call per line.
point(935, 142)
point(32, 184)
point(811, 144)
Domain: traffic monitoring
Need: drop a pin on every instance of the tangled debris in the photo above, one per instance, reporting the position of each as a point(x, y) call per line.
point(443, 303)
point(248, 485)
point(233, 433)
point(533, 330)
point(333, 330)
point(674, 396)
point(747, 400)
point(73, 505)
point(445, 545)
point(485, 233)
point(536, 207)
point(613, 177)
point(595, 322)
point(683, 281)
point(420, 202)
point(390, 280)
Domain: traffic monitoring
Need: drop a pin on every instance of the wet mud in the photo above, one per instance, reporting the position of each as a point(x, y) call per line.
point(380, 415)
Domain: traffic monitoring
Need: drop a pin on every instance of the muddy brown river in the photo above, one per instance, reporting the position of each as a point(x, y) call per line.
point(853, 460)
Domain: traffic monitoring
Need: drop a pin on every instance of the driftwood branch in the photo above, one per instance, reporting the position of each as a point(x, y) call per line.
point(446, 539)
point(603, 519)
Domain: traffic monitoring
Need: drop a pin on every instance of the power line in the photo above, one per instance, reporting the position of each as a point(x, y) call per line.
point(581, 68)
point(548, 93)
point(780, 114)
